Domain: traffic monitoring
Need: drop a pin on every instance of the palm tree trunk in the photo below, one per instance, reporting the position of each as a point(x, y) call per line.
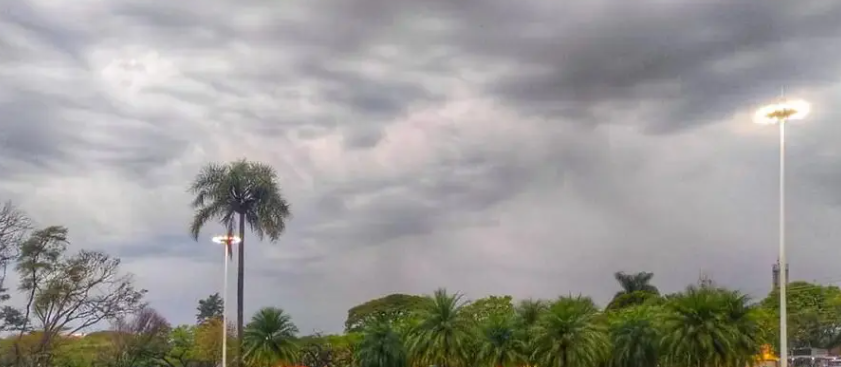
point(565, 356)
point(240, 289)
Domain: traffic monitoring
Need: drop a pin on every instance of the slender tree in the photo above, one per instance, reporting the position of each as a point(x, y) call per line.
point(14, 224)
point(529, 312)
point(236, 194)
point(67, 293)
point(210, 307)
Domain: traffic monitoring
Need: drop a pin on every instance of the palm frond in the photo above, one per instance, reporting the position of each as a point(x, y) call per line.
point(241, 187)
point(270, 337)
point(444, 333)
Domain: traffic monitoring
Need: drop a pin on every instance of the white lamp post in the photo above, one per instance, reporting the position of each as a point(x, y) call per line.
point(780, 113)
point(228, 241)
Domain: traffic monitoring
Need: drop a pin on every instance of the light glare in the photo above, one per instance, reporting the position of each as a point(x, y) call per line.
point(782, 111)
point(222, 240)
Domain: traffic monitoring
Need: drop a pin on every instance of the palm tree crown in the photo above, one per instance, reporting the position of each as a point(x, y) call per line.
point(270, 338)
point(444, 334)
point(638, 282)
point(635, 337)
point(381, 346)
point(570, 334)
point(249, 189)
point(500, 344)
point(707, 327)
point(636, 290)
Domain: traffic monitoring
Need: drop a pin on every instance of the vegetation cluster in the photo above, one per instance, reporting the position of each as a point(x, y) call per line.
point(64, 292)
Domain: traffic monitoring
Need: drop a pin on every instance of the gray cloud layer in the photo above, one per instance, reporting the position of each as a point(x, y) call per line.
point(489, 147)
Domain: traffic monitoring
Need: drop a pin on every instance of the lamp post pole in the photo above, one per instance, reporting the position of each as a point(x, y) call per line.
point(228, 242)
point(780, 113)
point(782, 256)
point(225, 305)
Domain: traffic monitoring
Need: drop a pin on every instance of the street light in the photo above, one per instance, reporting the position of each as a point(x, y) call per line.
point(779, 113)
point(228, 241)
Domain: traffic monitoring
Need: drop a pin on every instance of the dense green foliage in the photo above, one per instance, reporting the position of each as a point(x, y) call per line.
point(393, 309)
point(209, 308)
point(701, 326)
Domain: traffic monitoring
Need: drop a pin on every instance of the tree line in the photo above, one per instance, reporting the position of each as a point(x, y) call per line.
point(65, 292)
point(705, 325)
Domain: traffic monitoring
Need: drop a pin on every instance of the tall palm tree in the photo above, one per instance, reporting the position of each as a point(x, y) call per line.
point(570, 334)
point(698, 331)
point(529, 312)
point(243, 192)
point(381, 346)
point(500, 345)
point(444, 332)
point(636, 282)
point(746, 324)
point(635, 337)
point(270, 338)
point(636, 289)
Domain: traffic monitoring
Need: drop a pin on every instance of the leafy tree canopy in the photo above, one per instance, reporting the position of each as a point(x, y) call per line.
point(814, 314)
point(636, 290)
point(210, 307)
point(490, 307)
point(394, 308)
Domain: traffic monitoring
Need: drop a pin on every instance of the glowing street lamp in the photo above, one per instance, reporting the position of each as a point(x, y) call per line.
point(228, 241)
point(780, 113)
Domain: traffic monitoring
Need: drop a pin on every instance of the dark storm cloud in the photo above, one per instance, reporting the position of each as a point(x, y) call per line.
point(362, 138)
point(177, 246)
point(455, 191)
point(466, 201)
point(39, 30)
point(36, 135)
point(699, 60)
point(709, 57)
point(363, 94)
point(821, 174)
point(25, 133)
point(365, 102)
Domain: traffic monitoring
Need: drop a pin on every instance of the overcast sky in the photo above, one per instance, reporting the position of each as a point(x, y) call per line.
point(490, 147)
